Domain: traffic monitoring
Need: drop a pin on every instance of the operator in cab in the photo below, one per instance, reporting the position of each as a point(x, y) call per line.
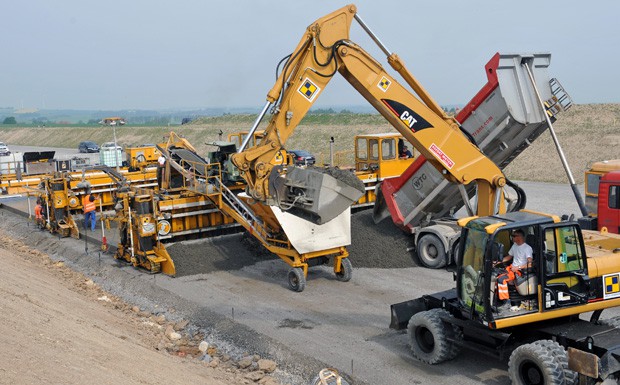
point(405, 153)
point(521, 255)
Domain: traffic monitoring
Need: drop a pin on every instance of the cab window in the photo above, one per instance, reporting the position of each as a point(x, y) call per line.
point(614, 198)
point(388, 149)
point(592, 183)
point(374, 149)
point(471, 286)
point(362, 151)
point(563, 250)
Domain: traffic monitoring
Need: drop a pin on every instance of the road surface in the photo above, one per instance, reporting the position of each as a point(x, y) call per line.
point(343, 325)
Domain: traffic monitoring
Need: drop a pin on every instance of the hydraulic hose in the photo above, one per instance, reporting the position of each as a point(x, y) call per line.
point(521, 196)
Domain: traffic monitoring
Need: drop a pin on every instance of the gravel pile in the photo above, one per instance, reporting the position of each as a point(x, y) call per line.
point(380, 246)
point(229, 252)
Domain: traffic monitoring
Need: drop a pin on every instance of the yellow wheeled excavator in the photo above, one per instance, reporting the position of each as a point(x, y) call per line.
point(574, 272)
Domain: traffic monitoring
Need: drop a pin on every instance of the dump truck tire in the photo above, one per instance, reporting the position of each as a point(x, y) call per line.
point(431, 251)
point(570, 377)
point(428, 336)
point(296, 279)
point(535, 364)
point(346, 270)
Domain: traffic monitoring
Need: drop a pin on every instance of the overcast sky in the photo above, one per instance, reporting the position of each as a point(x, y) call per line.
point(149, 54)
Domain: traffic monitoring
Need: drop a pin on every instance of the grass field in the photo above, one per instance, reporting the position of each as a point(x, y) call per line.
point(587, 133)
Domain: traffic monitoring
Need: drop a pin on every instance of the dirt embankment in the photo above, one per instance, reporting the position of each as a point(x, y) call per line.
point(587, 133)
point(58, 327)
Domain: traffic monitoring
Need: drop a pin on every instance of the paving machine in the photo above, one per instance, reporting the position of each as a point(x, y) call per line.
point(139, 243)
point(61, 193)
point(300, 243)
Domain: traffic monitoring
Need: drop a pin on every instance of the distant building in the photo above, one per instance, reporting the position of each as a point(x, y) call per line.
point(113, 121)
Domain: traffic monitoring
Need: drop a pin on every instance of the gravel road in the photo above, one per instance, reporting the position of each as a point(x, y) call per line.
point(245, 301)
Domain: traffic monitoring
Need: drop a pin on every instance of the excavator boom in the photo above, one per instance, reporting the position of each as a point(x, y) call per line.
point(324, 50)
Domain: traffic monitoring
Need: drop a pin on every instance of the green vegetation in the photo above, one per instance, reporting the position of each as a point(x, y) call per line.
point(9, 120)
point(587, 133)
point(318, 117)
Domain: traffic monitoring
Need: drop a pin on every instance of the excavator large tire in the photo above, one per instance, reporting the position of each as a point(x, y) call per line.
point(429, 337)
point(535, 364)
point(570, 377)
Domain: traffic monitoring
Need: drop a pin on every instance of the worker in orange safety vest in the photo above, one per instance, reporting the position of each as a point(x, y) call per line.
point(89, 207)
point(38, 215)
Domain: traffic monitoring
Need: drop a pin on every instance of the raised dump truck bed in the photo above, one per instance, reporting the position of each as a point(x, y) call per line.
point(504, 118)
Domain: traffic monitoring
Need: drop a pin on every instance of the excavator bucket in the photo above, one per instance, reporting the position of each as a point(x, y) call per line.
point(315, 194)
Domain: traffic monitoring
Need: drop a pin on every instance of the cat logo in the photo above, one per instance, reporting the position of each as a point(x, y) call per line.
point(309, 89)
point(384, 84)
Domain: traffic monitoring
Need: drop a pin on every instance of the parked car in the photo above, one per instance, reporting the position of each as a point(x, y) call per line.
point(109, 146)
point(302, 158)
point(88, 146)
point(4, 149)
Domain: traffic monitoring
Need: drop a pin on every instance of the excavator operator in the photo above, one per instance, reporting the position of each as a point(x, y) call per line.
point(521, 255)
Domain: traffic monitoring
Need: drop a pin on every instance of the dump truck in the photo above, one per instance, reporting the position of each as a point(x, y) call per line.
point(503, 119)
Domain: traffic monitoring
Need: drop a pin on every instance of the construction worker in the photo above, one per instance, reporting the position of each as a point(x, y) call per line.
point(38, 215)
point(89, 207)
point(521, 254)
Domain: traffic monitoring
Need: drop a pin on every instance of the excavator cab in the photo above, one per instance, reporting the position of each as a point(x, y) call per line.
point(557, 278)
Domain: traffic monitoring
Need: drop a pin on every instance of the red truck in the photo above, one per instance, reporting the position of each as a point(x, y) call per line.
point(602, 187)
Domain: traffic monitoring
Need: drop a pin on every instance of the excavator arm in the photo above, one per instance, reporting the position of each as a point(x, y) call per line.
point(324, 51)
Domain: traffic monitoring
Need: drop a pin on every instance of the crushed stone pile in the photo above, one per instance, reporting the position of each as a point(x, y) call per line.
point(228, 252)
point(381, 246)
